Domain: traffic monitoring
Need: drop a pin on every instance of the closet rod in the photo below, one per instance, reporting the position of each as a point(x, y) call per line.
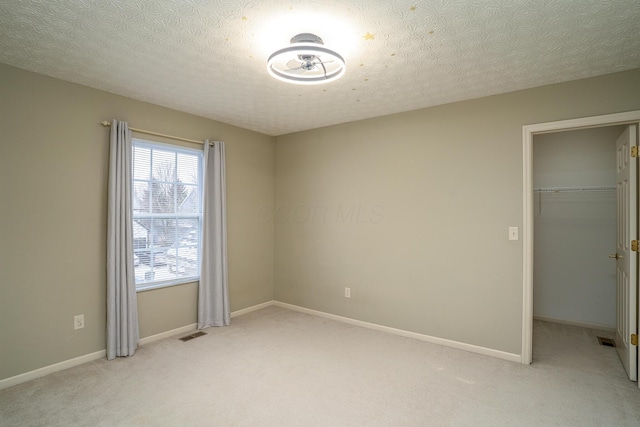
point(576, 189)
point(148, 132)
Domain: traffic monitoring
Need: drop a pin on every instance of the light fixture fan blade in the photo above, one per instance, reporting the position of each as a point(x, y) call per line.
point(295, 66)
point(294, 63)
point(297, 71)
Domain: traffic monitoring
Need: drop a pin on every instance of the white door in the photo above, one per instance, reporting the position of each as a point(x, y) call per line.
point(626, 259)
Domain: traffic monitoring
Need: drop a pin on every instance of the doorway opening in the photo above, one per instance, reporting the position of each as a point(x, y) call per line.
point(574, 180)
point(528, 214)
point(574, 290)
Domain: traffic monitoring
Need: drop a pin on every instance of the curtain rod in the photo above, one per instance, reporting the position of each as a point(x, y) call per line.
point(148, 132)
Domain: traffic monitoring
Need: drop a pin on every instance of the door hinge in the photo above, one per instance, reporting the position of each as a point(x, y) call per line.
point(634, 339)
point(634, 151)
point(634, 245)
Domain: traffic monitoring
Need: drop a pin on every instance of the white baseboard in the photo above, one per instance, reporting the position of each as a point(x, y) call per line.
point(61, 366)
point(167, 334)
point(595, 326)
point(511, 357)
point(194, 326)
point(66, 364)
point(37, 373)
point(250, 309)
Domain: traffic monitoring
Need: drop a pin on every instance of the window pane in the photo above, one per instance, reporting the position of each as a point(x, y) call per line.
point(185, 263)
point(141, 197)
point(164, 166)
point(189, 200)
point(163, 198)
point(141, 163)
point(188, 168)
point(141, 234)
point(188, 232)
point(164, 232)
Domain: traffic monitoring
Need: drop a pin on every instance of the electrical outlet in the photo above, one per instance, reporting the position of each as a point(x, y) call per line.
point(347, 292)
point(78, 321)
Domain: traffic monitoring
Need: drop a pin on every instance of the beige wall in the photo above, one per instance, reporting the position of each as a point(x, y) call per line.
point(411, 211)
point(53, 186)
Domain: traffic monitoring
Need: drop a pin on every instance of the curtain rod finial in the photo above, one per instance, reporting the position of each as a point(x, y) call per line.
point(105, 123)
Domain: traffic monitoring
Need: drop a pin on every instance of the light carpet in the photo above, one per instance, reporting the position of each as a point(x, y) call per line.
point(276, 367)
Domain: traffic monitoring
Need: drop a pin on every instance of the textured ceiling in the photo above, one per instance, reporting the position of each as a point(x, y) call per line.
point(208, 57)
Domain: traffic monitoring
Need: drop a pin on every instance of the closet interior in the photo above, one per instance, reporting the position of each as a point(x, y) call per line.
point(574, 280)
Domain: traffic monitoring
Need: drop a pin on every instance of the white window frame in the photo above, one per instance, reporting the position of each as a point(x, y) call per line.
point(143, 143)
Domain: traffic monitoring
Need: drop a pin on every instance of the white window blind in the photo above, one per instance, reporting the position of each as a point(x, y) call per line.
point(167, 214)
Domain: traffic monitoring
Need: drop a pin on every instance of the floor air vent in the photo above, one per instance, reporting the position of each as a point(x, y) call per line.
point(192, 336)
point(606, 341)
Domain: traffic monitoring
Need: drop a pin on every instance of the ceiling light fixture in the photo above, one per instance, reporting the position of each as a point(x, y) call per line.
point(306, 62)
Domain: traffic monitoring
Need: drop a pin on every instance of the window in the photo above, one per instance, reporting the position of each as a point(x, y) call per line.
point(167, 214)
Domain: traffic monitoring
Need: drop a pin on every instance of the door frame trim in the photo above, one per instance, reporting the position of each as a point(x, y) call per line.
point(528, 131)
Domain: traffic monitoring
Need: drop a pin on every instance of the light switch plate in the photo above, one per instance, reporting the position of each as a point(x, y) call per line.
point(513, 233)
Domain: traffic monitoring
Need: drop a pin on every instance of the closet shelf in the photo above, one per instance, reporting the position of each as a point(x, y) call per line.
point(594, 193)
point(573, 189)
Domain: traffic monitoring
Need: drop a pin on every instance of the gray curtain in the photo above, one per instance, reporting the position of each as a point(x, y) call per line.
point(213, 292)
point(122, 309)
